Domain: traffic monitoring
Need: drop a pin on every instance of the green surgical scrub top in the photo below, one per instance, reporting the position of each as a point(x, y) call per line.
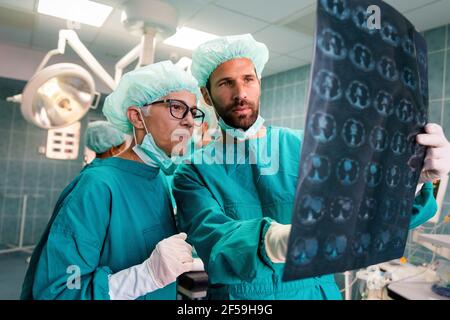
point(109, 218)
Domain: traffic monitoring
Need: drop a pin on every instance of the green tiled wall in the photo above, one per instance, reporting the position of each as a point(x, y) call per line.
point(23, 171)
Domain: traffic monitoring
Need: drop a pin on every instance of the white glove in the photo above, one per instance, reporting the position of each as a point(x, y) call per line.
point(276, 241)
point(437, 159)
point(198, 265)
point(171, 257)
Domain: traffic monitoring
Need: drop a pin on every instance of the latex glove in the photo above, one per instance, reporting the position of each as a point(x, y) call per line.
point(198, 265)
point(437, 159)
point(276, 241)
point(171, 257)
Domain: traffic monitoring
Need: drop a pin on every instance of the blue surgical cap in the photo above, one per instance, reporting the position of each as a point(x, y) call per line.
point(101, 136)
point(143, 86)
point(209, 55)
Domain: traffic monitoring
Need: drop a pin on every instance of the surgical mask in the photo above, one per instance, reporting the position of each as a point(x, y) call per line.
point(152, 155)
point(239, 133)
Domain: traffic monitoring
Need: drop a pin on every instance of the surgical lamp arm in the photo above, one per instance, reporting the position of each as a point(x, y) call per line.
point(72, 39)
point(125, 61)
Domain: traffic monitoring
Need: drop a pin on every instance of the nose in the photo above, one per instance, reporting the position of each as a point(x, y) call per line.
point(188, 121)
point(240, 91)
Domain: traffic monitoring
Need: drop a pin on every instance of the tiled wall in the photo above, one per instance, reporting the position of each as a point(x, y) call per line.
point(283, 100)
point(23, 171)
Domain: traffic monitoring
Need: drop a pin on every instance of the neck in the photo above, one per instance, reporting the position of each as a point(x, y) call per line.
point(129, 154)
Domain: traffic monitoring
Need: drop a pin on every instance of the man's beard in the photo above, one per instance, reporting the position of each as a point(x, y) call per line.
point(237, 121)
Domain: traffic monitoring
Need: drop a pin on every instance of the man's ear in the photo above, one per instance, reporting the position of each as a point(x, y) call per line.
point(134, 116)
point(206, 96)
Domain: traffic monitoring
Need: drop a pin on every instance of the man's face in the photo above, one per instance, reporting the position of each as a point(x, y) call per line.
point(235, 92)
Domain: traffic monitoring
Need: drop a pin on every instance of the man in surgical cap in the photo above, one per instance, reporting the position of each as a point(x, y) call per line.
point(112, 234)
point(105, 140)
point(238, 216)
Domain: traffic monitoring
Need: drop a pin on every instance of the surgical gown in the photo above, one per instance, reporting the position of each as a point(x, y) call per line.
point(226, 210)
point(109, 218)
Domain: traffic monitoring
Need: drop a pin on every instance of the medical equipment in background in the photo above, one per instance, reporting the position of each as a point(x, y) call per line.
point(426, 281)
point(61, 94)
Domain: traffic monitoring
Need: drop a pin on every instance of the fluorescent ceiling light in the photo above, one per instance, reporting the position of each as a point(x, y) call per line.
point(188, 38)
point(83, 11)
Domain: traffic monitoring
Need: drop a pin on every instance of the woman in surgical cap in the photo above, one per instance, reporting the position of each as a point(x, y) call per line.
point(104, 139)
point(112, 234)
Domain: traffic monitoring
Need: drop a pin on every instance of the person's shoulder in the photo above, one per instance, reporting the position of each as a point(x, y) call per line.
point(286, 133)
point(96, 176)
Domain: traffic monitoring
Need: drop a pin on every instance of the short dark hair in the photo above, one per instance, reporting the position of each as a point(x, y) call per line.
point(208, 85)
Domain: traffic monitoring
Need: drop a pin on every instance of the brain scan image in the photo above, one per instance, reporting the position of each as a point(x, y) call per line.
point(318, 168)
point(353, 133)
point(337, 8)
point(409, 79)
point(358, 95)
point(361, 244)
point(332, 44)
point(367, 99)
point(312, 209)
point(398, 143)
point(327, 86)
point(408, 46)
point(381, 241)
point(304, 250)
point(362, 58)
point(342, 209)
point(405, 111)
point(335, 246)
point(360, 17)
point(322, 127)
point(390, 34)
point(373, 174)
point(387, 68)
point(393, 176)
point(368, 210)
point(384, 103)
point(388, 209)
point(347, 171)
point(379, 139)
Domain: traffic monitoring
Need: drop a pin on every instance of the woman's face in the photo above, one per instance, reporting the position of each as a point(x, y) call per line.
point(170, 134)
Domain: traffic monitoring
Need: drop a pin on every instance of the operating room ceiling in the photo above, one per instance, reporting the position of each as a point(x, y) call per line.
point(286, 26)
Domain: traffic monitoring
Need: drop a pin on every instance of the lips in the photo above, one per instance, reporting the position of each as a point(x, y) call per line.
point(240, 109)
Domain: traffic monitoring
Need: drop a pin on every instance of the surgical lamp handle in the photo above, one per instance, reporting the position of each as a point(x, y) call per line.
point(47, 57)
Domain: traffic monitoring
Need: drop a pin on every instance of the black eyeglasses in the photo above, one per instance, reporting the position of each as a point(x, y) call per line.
point(179, 110)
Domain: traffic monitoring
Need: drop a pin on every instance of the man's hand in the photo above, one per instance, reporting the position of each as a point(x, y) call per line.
point(437, 159)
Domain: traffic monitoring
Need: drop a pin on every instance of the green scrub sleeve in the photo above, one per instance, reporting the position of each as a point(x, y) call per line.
point(69, 267)
point(424, 207)
point(228, 247)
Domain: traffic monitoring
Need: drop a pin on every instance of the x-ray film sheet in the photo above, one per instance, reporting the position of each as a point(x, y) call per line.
point(360, 164)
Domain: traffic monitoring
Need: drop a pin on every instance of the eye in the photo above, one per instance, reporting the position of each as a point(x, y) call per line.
point(249, 78)
point(177, 105)
point(226, 83)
